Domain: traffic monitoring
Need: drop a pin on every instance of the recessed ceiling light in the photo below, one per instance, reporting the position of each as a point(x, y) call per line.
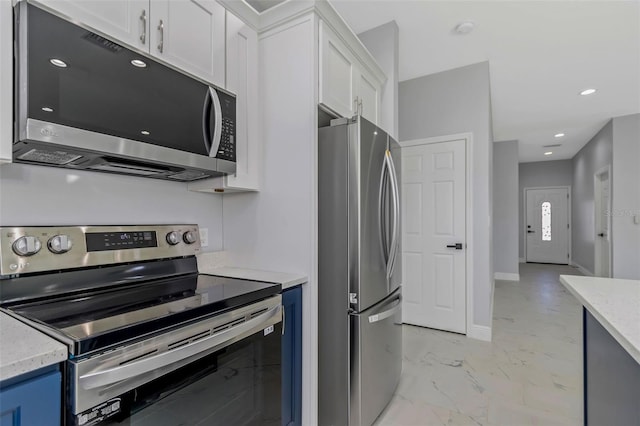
point(58, 62)
point(138, 63)
point(145, 132)
point(548, 153)
point(586, 92)
point(464, 27)
point(558, 135)
point(47, 109)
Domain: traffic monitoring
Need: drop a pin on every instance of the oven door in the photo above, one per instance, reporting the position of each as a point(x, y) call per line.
point(225, 370)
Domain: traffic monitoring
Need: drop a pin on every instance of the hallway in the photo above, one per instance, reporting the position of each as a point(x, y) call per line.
point(530, 374)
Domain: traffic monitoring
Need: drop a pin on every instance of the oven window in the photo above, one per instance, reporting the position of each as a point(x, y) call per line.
point(239, 385)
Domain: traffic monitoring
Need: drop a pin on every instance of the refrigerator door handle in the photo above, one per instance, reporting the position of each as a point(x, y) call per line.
point(382, 215)
point(395, 192)
point(386, 314)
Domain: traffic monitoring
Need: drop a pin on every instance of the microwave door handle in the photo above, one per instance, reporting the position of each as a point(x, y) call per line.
point(216, 341)
point(217, 124)
point(212, 142)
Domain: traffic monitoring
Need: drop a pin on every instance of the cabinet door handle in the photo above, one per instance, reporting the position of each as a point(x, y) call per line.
point(360, 107)
point(143, 18)
point(161, 29)
point(284, 319)
point(355, 103)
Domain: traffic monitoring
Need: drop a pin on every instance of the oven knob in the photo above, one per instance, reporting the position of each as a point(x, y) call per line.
point(173, 238)
point(59, 244)
point(189, 237)
point(26, 246)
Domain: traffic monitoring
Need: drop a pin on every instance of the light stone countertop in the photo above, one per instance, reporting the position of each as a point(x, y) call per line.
point(215, 264)
point(24, 349)
point(615, 303)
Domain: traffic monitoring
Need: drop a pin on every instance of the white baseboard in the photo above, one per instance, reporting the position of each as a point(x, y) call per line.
point(479, 332)
point(506, 276)
point(582, 269)
point(522, 260)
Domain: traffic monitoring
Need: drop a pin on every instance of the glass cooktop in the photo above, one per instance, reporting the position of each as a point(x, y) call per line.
point(104, 318)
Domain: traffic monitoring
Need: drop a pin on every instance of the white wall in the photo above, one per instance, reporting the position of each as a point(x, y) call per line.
point(38, 195)
point(595, 155)
point(626, 197)
point(539, 174)
point(276, 229)
point(450, 102)
point(382, 43)
point(505, 210)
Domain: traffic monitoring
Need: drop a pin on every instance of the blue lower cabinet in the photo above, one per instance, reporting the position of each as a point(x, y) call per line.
point(292, 357)
point(33, 402)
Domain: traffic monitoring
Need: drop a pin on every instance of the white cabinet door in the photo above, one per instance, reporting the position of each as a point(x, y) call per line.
point(124, 20)
point(242, 80)
point(190, 35)
point(368, 95)
point(337, 71)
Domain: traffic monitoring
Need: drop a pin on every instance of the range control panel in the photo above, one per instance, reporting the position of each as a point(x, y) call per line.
point(46, 248)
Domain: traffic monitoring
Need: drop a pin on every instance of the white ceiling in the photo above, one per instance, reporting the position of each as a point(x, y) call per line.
point(541, 55)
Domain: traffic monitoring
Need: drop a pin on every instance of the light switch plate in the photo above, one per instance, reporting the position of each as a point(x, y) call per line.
point(204, 237)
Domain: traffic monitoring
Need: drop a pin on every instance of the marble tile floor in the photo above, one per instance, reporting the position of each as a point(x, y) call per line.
point(530, 374)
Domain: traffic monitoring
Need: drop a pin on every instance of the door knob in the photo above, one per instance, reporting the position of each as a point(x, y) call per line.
point(601, 234)
point(457, 246)
point(531, 232)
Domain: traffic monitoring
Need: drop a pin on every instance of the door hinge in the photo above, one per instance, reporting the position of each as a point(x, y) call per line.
point(567, 226)
point(353, 298)
point(567, 255)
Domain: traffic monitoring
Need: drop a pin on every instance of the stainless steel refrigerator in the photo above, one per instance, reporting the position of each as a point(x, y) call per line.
point(359, 272)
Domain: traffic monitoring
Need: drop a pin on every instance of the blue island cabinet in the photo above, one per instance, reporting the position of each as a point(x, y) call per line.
point(292, 357)
point(32, 400)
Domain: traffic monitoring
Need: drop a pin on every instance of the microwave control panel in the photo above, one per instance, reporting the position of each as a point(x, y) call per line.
point(227, 147)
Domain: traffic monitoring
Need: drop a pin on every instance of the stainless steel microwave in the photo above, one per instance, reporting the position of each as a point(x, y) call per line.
point(83, 101)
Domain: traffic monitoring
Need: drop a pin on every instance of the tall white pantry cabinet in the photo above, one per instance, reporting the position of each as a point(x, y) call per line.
point(276, 228)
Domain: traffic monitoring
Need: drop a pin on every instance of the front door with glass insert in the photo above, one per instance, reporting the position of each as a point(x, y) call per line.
point(547, 225)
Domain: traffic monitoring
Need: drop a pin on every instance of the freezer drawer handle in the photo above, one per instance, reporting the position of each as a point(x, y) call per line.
point(386, 314)
point(134, 369)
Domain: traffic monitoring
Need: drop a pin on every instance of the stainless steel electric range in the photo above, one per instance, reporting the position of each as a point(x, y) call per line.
point(151, 341)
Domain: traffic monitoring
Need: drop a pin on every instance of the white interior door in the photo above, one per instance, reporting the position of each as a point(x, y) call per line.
point(547, 225)
point(434, 208)
point(603, 236)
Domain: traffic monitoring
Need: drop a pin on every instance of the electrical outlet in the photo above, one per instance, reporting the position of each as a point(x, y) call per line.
point(204, 237)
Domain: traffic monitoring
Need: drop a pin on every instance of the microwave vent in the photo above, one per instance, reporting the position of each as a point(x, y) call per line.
point(49, 157)
point(103, 42)
point(188, 176)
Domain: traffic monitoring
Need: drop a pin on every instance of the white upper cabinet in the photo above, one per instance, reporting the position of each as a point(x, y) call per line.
point(346, 87)
point(190, 35)
point(337, 88)
point(242, 79)
point(124, 20)
point(368, 91)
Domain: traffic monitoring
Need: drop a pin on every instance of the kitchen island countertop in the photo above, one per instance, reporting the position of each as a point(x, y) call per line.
point(615, 303)
point(24, 349)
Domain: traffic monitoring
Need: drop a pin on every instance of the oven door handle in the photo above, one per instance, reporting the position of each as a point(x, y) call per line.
point(216, 341)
